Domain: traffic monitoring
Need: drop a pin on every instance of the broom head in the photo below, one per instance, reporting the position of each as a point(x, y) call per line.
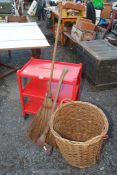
point(40, 120)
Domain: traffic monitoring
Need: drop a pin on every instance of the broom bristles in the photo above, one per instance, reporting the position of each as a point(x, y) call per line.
point(39, 122)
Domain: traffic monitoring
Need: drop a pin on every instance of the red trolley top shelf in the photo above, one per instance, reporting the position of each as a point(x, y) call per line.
point(41, 69)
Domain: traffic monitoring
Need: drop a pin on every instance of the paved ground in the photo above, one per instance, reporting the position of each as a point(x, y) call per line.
point(18, 156)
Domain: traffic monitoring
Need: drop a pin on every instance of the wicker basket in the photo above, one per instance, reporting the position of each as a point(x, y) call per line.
point(79, 129)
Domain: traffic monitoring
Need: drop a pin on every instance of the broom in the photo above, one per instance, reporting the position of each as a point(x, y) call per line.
point(40, 120)
point(42, 138)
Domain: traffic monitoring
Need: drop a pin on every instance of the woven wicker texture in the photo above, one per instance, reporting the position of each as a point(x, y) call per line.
point(79, 129)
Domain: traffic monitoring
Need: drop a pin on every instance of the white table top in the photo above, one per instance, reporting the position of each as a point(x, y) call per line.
point(21, 36)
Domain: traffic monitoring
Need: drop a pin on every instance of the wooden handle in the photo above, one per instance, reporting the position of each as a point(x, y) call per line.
point(65, 70)
point(55, 49)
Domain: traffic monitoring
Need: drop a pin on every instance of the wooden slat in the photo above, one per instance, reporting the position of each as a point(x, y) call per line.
point(25, 44)
point(100, 49)
point(21, 35)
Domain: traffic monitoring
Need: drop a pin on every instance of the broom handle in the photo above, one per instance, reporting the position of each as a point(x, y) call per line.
point(55, 49)
point(65, 70)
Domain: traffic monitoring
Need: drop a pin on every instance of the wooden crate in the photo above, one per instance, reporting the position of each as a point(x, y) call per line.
point(79, 19)
point(85, 25)
point(20, 19)
point(85, 35)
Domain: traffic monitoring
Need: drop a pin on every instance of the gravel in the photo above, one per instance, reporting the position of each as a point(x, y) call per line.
point(18, 155)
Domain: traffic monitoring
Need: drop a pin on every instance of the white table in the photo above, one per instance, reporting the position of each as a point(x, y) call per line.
point(16, 36)
point(21, 36)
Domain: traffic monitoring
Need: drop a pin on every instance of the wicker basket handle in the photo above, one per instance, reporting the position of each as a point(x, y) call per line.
point(66, 100)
